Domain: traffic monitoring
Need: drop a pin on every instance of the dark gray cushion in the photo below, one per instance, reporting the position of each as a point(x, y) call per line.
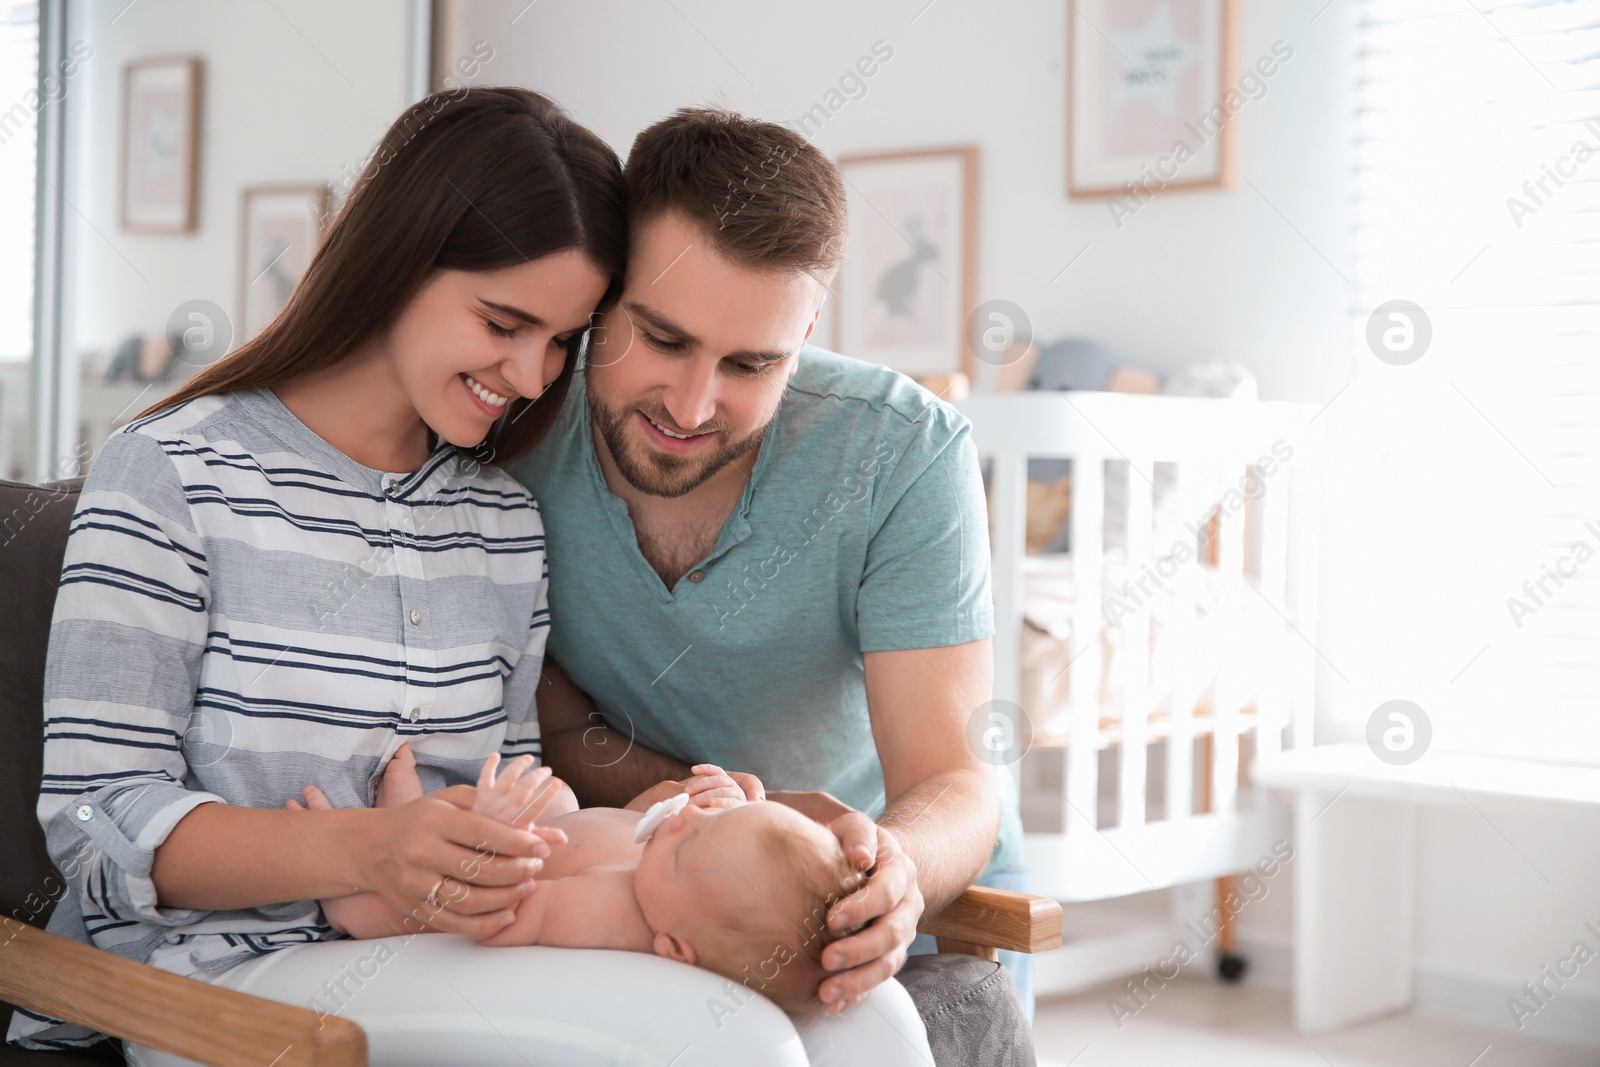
point(33, 538)
point(104, 1052)
point(971, 1009)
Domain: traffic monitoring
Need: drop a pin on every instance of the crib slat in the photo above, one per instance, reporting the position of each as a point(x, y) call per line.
point(1272, 702)
point(1193, 504)
point(1087, 517)
point(1306, 512)
point(1139, 591)
point(1009, 524)
point(1230, 567)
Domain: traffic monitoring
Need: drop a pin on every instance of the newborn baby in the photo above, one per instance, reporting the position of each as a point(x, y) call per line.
point(739, 888)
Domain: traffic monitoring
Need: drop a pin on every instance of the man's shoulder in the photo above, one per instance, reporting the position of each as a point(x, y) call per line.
point(847, 394)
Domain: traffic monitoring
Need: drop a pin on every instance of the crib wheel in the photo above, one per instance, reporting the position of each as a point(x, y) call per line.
point(1231, 966)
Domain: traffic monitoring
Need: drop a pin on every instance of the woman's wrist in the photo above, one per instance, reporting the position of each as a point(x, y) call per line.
point(346, 840)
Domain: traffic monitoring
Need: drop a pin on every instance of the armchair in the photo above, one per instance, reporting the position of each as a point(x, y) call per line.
point(63, 978)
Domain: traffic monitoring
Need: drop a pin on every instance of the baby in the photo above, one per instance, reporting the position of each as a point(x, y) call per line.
point(739, 888)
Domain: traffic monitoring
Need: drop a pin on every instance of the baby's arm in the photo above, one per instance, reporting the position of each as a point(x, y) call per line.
point(365, 916)
point(598, 909)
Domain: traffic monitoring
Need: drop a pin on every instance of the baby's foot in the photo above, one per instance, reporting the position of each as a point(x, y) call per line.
point(400, 783)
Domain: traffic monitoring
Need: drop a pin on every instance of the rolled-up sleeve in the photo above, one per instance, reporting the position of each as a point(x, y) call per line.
point(126, 641)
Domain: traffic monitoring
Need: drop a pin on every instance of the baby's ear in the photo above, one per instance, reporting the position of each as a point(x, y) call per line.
point(674, 948)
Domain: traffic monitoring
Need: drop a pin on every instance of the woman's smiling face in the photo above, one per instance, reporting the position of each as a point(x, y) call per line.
point(471, 342)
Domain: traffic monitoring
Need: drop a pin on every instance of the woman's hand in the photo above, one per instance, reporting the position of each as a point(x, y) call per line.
point(439, 862)
point(890, 906)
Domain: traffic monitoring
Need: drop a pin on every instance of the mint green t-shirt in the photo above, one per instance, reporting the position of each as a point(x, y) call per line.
point(863, 529)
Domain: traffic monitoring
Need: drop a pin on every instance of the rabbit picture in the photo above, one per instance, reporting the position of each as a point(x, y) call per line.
point(897, 285)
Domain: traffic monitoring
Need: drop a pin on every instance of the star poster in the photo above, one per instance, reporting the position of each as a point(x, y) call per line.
point(1149, 105)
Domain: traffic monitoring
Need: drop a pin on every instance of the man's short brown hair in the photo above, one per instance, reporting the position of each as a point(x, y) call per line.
point(764, 195)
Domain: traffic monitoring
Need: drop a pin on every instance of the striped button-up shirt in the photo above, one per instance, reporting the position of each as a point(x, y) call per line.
point(244, 610)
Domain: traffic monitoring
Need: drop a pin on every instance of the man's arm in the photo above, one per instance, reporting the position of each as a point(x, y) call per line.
point(941, 819)
point(604, 767)
point(942, 804)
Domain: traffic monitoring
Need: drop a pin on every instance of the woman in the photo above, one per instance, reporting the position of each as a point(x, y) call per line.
point(307, 557)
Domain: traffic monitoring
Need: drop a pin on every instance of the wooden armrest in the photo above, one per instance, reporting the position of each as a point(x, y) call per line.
point(985, 919)
point(82, 984)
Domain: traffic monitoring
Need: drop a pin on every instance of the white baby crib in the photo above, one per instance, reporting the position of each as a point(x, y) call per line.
point(1170, 641)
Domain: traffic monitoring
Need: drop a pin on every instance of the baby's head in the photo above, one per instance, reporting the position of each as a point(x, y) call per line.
point(745, 892)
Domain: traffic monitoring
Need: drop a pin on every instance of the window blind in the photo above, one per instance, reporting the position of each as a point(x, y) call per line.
point(19, 63)
point(1477, 196)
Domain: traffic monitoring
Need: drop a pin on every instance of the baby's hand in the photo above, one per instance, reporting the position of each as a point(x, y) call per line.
point(521, 796)
point(708, 786)
point(316, 800)
point(712, 787)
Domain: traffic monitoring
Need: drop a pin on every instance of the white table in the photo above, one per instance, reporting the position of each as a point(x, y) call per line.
point(1355, 857)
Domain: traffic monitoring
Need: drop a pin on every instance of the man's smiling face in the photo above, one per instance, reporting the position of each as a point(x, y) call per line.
point(688, 369)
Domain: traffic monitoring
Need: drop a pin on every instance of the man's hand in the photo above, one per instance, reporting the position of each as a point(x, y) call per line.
point(889, 905)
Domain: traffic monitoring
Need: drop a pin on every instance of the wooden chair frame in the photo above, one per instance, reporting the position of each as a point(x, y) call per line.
point(185, 1017)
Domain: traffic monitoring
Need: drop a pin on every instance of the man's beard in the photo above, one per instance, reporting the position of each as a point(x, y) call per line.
point(661, 473)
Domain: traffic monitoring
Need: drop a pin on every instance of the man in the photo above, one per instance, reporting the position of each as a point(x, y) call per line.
point(769, 558)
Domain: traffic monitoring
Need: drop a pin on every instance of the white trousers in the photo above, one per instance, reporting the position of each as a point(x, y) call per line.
point(440, 998)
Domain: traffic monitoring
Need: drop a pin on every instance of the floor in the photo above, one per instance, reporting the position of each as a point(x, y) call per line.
point(1198, 1022)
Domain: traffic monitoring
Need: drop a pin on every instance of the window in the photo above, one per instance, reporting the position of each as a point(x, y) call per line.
point(19, 109)
point(1474, 469)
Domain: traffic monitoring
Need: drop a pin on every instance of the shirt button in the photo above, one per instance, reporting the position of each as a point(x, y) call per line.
point(416, 618)
point(697, 576)
point(391, 485)
point(85, 813)
point(416, 713)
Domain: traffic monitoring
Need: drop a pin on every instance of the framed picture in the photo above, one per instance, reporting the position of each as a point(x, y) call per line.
point(280, 226)
point(909, 279)
point(1148, 95)
point(160, 145)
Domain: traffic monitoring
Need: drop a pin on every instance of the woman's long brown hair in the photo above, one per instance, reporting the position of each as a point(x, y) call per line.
point(472, 179)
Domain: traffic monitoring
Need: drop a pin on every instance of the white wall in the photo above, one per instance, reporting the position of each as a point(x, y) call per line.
point(1192, 276)
point(295, 91)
